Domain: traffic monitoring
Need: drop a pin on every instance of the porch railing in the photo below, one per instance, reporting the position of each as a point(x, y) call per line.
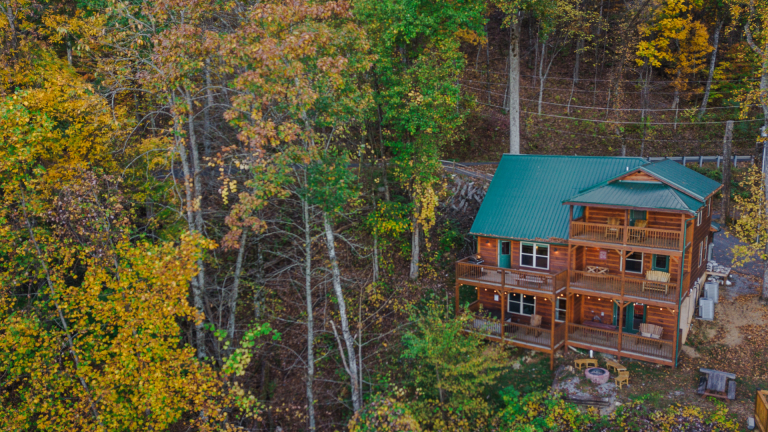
point(626, 286)
point(486, 325)
point(630, 343)
point(597, 232)
point(654, 238)
point(649, 347)
point(512, 278)
point(524, 333)
point(593, 336)
point(632, 236)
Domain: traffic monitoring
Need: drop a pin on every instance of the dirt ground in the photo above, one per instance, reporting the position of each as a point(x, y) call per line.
point(735, 341)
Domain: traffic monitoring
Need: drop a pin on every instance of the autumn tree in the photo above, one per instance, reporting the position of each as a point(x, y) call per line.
point(751, 224)
point(676, 40)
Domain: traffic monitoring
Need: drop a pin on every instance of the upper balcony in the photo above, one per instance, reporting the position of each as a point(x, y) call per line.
point(512, 279)
point(634, 236)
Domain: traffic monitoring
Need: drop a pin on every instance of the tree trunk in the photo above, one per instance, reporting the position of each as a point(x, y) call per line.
point(197, 288)
point(727, 171)
point(514, 86)
point(349, 341)
point(415, 250)
point(194, 205)
point(206, 113)
point(542, 76)
point(235, 288)
point(310, 317)
point(579, 49)
point(715, 42)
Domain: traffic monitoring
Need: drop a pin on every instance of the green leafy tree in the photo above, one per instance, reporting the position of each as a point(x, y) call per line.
point(447, 364)
point(416, 92)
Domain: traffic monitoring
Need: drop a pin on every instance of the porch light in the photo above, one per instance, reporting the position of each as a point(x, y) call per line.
point(599, 299)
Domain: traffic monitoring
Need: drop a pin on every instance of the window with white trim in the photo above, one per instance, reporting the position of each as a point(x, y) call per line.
point(521, 304)
point(701, 248)
point(534, 255)
point(560, 309)
point(709, 207)
point(698, 217)
point(706, 249)
point(633, 263)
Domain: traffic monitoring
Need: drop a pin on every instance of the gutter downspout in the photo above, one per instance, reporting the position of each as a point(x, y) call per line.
point(680, 291)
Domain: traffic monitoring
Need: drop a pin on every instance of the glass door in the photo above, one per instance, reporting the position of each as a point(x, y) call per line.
point(633, 315)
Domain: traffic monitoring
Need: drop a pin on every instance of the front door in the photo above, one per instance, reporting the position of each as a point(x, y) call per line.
point(505, 257)
point(632, 317)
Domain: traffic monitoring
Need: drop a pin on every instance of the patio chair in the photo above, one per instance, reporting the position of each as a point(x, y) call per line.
point(622, 378)
point(612, 231)
point(535, 322)
point(656, 281)
point(638, 236)
point(651, 330)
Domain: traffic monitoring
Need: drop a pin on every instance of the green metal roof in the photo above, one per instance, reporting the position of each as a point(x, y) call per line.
point(524, 200)
point(716, 226)
point(637, 194)
point(689, 181)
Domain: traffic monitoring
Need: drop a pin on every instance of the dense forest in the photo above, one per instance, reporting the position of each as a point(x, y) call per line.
point(234, 214)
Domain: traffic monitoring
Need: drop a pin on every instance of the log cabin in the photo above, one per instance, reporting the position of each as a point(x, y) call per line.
point(599, 253)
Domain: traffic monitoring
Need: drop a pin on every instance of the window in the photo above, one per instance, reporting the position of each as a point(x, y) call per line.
point(709, 206)
point(534, 255)
point(706, 249)
point(698, 218)
point(701, 248)
point(521, 304)
point(634, 262)
point(636, 215)
point(560, 309)
point(661, 263)
point(505, 248)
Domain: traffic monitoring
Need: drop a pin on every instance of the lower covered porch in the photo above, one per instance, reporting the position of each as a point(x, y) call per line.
point(518, 319)
point(625, 329)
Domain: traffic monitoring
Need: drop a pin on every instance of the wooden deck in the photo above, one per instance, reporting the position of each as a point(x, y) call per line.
point(626, 236)
point(521, 335)
point(626, 288)
point(623, 344)
point(519, 280)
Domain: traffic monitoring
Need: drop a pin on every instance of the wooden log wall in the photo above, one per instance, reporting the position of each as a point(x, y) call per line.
point(600, 215)
point(488, 249)
point(591, 307)
point(663, 317)
point(613, 262)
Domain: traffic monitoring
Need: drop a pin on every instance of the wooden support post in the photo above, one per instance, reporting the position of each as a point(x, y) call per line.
point(623, 265)
point(727, 170)
point(503, 307)
point(626, 224)
point(619, 324)
point(552, 336)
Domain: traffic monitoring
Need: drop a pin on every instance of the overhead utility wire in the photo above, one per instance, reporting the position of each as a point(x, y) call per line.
point(625, 122)
point(582, 91)
point(607, 80)
point(605, 108)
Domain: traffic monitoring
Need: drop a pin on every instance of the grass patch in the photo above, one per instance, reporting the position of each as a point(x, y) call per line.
point(531, 377)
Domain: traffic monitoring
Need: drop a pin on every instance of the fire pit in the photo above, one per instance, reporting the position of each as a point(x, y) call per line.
point(597, 375)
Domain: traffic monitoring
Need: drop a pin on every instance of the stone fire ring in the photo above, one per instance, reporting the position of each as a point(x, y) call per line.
point(597, 375)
